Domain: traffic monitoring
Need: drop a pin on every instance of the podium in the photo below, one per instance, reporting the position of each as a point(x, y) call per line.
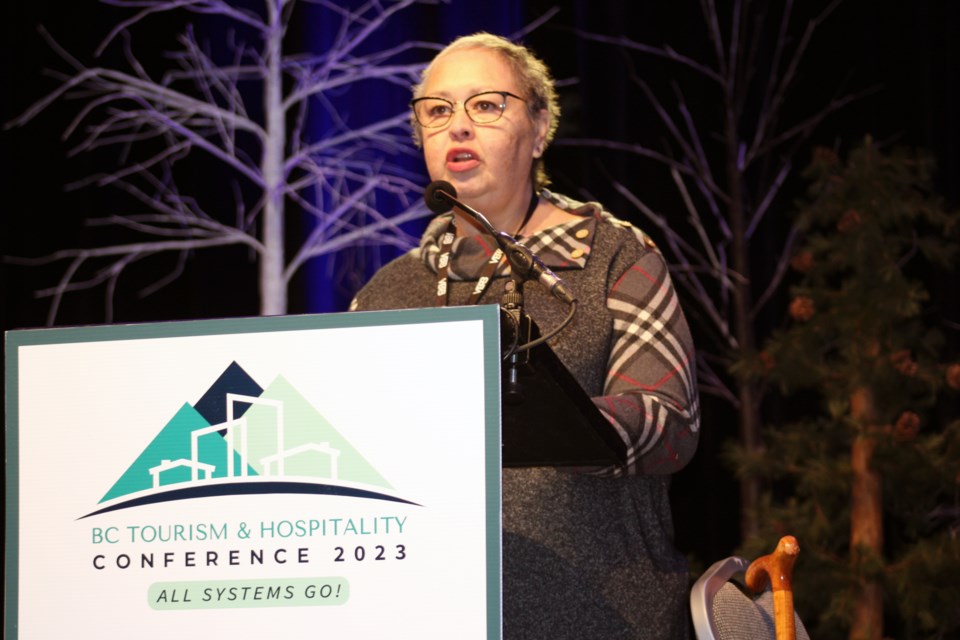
point(180, 475)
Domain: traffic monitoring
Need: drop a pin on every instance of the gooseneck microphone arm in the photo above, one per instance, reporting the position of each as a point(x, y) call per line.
point(440, 196)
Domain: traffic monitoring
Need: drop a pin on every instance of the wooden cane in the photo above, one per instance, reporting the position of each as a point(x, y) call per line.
point(777, 567)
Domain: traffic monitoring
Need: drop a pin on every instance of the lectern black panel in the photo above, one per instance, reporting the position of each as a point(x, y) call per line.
point(548, 419)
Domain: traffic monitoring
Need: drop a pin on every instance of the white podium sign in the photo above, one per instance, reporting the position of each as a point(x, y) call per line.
point(323, 476)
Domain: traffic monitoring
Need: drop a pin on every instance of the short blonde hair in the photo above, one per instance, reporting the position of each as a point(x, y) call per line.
point(535, 80)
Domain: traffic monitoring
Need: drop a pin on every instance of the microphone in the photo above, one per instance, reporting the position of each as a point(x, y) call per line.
point(440, 196)
point(434, 196)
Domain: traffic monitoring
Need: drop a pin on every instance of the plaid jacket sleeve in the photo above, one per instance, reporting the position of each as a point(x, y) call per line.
point(650, 394)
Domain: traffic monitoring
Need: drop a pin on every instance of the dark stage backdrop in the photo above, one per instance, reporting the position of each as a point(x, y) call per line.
point(908, 49)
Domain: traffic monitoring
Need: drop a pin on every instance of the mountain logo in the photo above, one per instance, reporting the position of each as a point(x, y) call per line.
point(241, 439)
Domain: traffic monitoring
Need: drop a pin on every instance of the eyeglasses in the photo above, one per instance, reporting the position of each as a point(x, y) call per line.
point(482, 108)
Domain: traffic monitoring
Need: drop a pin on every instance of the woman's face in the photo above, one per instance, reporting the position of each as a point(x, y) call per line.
point(488, 164)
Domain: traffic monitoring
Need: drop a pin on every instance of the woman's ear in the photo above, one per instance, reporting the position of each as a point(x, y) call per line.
point(541, 127)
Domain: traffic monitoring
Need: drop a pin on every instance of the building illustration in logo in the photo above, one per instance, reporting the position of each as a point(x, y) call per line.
point(241, 434)
point(168, 465)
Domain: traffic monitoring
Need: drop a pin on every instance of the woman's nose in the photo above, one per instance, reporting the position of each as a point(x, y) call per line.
point(461, 126)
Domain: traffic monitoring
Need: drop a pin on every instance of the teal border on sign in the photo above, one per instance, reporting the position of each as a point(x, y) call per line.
point(489, 315)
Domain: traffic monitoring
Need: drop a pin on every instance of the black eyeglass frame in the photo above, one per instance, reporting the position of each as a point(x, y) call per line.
point(503, 107)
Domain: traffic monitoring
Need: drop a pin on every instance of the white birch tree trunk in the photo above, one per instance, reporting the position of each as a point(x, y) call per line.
point(273, 289)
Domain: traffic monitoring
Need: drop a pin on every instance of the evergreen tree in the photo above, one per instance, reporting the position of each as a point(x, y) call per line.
point(868, 477)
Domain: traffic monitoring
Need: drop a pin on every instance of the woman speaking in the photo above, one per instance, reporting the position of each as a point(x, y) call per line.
point(587, 553)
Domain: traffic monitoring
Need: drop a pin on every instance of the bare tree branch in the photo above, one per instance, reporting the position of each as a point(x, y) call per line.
point(158, 117)
point(663, 52)
point(729, 165)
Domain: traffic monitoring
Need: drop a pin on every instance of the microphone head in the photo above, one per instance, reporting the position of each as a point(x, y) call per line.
point(433, 196)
